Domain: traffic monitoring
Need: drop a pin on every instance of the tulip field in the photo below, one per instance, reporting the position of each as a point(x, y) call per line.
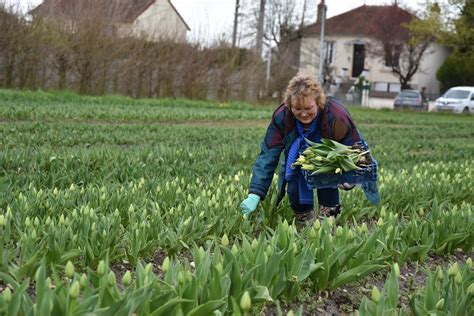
point(110, 205)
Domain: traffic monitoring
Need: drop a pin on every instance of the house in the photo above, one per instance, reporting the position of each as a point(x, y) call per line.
point(349, 50)
point(152, 20)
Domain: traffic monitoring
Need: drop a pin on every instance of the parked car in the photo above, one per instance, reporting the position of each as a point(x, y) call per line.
point(457, 100)
point(410, 99)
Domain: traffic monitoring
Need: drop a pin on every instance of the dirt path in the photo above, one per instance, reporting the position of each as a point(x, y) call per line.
point(247, 123)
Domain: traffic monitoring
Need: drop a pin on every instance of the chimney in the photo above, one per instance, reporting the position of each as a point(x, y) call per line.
point(321, 8)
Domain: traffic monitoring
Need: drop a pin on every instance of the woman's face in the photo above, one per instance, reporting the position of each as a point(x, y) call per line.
point(305, 110)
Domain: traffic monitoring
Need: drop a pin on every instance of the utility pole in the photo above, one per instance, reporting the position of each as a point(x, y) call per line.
point(322, 17)
point(269, 59)
point(236, 21)
point(261, 19)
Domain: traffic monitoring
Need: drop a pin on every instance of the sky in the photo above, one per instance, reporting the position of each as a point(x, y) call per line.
point(212, 19)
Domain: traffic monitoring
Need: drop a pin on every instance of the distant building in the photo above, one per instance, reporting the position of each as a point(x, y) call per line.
point(347, 39)
point(152, 20)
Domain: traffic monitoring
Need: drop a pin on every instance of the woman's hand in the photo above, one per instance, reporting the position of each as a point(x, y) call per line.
point(249, 204)
point(346, 186)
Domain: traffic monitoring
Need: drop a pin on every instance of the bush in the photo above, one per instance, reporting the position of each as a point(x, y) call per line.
point(457, 70)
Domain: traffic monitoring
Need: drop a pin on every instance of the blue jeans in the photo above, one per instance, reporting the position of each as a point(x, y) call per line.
point(326, 197)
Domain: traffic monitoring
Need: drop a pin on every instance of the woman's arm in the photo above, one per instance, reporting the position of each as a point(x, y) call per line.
point(270, 151)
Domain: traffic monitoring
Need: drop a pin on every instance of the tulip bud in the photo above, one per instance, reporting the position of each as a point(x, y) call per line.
point(234, 249)
point(269, 250)
point(166, 265)
point(101, 268)
point(375, 294)
point(440, 274)
point(225, 240)
point(330, 221)
point(396, 268)
point(339, 231)
point(111, 278)
point(2, 220)
point(469, 262)
point(470, 289)
point(83, 281)
point(187, 221)
point(440, 304)
point(380, 222)
point(202, 253)
point(458, 278)
point(127, 278)
point(350, 234)
point(364, 228)
point(27, 222)
point(254, 244)
point(180, 277)
point(69, 269)
point(148, 268)
point(74, 290)
point(453, 270)
point(7, 295)
point(317, 224)
point(245, 302)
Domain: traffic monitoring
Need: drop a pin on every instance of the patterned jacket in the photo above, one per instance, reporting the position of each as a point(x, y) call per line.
point(334, 122)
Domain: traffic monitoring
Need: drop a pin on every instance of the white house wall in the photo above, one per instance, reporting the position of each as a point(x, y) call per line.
point(159, 21)
point(430, 64)
point(344, 50)
point(377, 71)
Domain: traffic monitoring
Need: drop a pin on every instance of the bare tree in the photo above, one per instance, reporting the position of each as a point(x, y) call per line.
point(260, 24)
point(284, 22)
point(236, 22)
point(78, 45)
point(397, 46)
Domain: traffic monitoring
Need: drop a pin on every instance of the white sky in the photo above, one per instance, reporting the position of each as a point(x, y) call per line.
point(210, 19)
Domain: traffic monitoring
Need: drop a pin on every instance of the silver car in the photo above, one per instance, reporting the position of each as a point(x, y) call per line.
point(410, 99)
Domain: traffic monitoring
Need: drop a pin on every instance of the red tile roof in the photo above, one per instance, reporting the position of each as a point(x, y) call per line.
point(120, 11)
point(363, 21)
point(125, 11)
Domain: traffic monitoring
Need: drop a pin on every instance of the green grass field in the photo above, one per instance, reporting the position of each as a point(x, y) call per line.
point(93, 187)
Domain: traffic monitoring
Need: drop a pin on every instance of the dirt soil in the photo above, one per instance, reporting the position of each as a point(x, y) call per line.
point(346, 299)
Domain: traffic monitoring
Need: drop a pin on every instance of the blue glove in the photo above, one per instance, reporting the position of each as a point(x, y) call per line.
point(249, 204)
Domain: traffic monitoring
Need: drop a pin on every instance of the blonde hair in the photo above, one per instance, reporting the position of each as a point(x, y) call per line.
point(304, 86)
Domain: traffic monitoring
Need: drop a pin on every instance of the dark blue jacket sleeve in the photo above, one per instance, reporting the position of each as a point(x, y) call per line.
point(267, 161)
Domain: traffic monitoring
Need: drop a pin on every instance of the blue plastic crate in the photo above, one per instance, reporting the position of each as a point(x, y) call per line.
point(331, 180)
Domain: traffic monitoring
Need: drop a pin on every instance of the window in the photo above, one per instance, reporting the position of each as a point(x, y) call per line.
point(329, 52)
point(392, 57)
point(387, 86)
point(381, 86)
point(457, 94)
point(394, 87)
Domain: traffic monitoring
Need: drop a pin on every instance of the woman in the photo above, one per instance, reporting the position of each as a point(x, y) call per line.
point(305, 113)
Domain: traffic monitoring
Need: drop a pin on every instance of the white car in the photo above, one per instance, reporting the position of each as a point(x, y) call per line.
point(457, 100)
